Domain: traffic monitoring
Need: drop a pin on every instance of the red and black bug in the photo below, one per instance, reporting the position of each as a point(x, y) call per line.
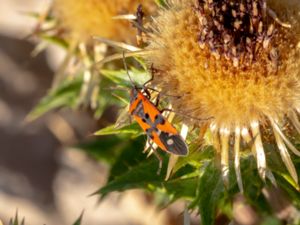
point(151, 120)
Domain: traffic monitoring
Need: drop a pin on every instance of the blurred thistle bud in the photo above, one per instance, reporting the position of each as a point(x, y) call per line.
point(83, 19)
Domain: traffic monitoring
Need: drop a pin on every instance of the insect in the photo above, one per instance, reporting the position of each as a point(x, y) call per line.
point(151, 120)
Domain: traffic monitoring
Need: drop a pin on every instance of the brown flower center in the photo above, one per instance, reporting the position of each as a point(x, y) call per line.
point(237, 30)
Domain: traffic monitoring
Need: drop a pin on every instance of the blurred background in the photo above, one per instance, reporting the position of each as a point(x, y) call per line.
point(42, 178)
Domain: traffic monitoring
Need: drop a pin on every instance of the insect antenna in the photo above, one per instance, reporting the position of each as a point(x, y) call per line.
point(126, 68)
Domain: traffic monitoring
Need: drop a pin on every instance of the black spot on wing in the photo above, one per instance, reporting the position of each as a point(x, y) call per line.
point(174, 143)
point(147, 116)
point(159, 119)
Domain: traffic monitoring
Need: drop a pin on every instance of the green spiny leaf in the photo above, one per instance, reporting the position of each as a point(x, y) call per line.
point(131, 156)
point(133, 129)
point(172, 190)
point(54, 40)
point(210, 191)
point(123, 119)
point(291, 191)
point(15, 221)
point(196, 157)
point(181, 188)
point(78, 221)
point(65, 95)
point(140, 176)
point(106, 149)
point(107, 98)
point(276, 164)
point(253, 184)
point(121, 78)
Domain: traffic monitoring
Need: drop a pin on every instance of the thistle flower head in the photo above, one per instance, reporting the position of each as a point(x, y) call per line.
point(82, 19)
point(236, 62)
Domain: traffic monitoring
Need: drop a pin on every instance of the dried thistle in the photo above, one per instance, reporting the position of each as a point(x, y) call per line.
point(237, 63)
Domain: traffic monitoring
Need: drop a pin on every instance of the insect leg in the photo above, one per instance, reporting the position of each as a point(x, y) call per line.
point(152, 89)
point(157, 156)
point(147, 93)
point(155, 90)
point(152, 76)
point(157, 100)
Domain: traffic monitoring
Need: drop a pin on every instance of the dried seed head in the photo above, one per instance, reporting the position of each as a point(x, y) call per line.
point(82, 19)
point(230, 61)
point(234, 24)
